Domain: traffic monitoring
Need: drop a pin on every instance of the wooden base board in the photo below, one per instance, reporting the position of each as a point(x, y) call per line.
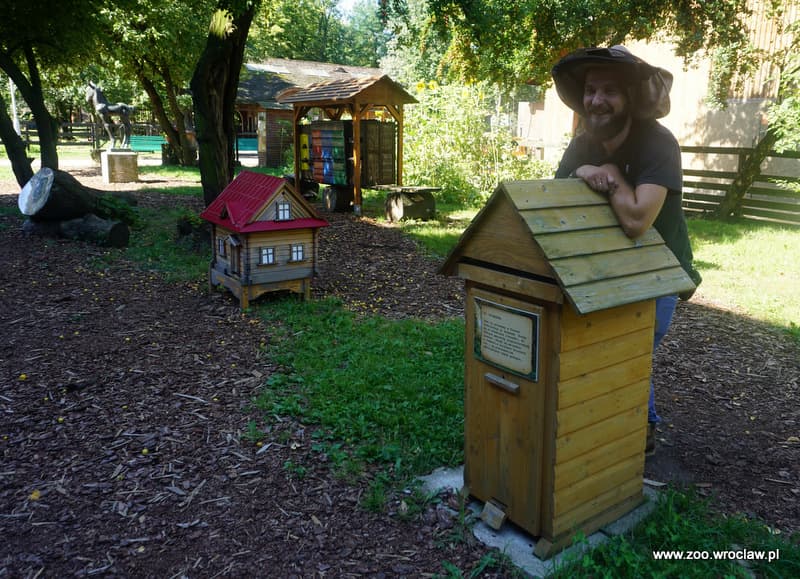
point(546, 547)
point(247, 293)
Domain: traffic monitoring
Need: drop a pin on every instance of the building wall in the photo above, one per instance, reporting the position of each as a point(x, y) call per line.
point(545, 127)
point(283, 268)
point(252, 272)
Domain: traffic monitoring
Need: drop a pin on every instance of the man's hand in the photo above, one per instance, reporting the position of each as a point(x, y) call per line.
point(636, 208)
point(603, 179)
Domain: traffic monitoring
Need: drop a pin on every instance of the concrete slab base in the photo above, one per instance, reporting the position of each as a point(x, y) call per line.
point(119, 166)
point(518, 544)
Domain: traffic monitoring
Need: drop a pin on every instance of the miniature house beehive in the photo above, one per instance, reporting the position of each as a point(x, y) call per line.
point(264, 238)
point(559, 313)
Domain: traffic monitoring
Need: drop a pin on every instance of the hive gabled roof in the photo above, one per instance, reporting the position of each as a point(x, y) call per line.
point(377, 90)
point(596, 265)
point(244, 200)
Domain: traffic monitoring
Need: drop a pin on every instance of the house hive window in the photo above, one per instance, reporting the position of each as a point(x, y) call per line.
point(284, 210)
point(267, 256)
point(221, 247)
point(298, 253)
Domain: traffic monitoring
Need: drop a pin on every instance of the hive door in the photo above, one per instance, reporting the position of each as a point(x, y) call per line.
point(504, 404)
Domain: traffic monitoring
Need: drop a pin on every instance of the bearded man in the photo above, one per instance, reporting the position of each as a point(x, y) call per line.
point(625, 153)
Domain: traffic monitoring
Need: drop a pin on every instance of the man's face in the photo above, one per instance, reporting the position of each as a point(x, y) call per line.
point(605, 102)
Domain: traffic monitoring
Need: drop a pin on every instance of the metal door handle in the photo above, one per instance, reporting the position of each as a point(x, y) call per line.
point(502, 383)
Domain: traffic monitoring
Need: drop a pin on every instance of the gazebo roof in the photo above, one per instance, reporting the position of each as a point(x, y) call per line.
point(262, 81)
point(374, 90)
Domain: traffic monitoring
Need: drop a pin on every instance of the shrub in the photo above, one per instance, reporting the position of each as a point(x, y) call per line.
point(453, 140)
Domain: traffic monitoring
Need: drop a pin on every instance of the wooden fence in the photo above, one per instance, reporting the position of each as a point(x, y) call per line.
point(771, 197)
point(85, 134)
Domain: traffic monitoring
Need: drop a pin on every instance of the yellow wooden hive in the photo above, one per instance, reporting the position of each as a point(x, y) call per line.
point(560, 311)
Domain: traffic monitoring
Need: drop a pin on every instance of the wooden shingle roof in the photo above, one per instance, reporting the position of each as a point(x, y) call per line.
point(262, 81)
point(575, 239)
point(378, 90)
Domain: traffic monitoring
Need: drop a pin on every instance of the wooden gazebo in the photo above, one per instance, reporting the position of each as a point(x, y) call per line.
point(360, 98)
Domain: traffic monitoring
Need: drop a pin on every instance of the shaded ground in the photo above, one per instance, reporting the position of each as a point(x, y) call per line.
point(98, 364)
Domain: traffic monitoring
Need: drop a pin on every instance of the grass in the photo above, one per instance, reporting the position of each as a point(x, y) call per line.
point(153, 246)
point(685, 522)
point(752, 268)
point(388, 392)
point(368, 384)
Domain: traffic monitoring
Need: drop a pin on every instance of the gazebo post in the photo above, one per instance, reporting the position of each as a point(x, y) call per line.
point(299, 112)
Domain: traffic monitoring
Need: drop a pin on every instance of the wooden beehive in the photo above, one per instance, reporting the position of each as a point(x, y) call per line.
point(264, 238)
point(560, 311)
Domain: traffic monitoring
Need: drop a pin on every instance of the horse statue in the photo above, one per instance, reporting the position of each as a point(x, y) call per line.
point(106, 111)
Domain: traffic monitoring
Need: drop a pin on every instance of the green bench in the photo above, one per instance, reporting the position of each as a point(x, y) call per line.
point(147, 144)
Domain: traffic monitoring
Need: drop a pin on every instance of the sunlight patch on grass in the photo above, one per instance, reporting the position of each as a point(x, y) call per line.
point(751, 268)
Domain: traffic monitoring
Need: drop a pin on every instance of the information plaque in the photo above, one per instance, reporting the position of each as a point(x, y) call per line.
point(507, 338)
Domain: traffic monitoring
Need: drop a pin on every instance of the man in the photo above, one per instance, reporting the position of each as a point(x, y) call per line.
point(625, 153)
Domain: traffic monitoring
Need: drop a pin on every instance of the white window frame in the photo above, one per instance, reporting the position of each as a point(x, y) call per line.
point(283, 211)
point(221, 249)
point(267, 256)
point(297, 252)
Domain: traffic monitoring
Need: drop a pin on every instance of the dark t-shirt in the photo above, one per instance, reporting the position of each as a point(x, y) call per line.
point(650, 154)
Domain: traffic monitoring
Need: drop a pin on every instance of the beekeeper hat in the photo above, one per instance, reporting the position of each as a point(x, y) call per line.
point(649, 85)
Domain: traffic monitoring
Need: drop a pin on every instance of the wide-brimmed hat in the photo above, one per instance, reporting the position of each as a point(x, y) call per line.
point(650, 84)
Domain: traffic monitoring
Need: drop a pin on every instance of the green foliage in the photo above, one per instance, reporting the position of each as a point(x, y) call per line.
point(684, 522)
point(316, 30)
point(297, 29)
point(414, 50)
point(112, 207)
point(298, 471)
point(784, 115)
point(511, 43)
point(253, 433)
point(450, 142)
point(366, 38)
point(730, 65)
point(221, 24)
point(389, 391)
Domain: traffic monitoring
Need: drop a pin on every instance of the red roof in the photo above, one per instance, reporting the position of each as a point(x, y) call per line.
point(243, 200)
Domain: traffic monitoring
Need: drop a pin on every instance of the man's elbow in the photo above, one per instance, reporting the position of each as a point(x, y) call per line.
point(634, 229)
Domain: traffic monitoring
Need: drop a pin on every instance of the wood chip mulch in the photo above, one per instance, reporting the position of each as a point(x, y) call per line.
point(125, 402)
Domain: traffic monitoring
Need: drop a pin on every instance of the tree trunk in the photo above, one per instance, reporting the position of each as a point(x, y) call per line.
point(15, 147)
point(68, 199)
point(90, 227)
point(214, 85)
point(46, 127)
point(175, 132)
point(748, 172)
